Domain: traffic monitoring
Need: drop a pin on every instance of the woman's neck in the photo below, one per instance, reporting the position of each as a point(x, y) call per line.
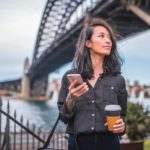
point(97, 62)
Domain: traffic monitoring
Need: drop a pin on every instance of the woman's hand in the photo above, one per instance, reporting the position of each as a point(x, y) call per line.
point(118, 127)
point(74, 93)
point(77, 91)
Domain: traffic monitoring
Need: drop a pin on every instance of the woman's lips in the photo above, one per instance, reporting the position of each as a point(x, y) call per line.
point(108, 47)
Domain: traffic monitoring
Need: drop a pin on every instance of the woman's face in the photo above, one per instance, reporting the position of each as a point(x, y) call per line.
point(100, 42)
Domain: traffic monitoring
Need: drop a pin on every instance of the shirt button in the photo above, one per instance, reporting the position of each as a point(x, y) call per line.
point(93, 115)
point(92, 101)
point(92, 128)
point(112, 87)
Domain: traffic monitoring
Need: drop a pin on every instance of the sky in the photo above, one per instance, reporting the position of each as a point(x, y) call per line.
point(19, 23)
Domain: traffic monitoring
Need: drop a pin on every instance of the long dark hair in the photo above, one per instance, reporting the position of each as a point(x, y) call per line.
point(82, 60)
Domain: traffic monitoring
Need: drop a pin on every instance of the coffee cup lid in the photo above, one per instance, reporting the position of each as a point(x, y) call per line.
point(112, 108)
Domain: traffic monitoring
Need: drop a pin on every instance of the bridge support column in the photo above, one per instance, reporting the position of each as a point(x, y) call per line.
point(25, 88)
point(38, 88)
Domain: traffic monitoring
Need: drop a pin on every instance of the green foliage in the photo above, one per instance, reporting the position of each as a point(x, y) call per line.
point(137, 122)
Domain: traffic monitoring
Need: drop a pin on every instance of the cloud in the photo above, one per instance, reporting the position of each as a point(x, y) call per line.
point(20, 21)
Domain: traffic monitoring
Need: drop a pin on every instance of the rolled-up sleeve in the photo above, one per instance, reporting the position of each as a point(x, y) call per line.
point(65, 115)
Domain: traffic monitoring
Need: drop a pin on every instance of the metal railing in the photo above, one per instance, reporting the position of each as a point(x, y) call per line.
point(26, 137)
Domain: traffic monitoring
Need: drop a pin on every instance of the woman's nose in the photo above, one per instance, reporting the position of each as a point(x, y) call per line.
point(107, 40)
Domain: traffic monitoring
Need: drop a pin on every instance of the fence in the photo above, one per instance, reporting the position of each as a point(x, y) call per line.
point(26, 138)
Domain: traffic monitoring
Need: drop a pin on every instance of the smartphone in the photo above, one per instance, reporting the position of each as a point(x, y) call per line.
point(72, 77)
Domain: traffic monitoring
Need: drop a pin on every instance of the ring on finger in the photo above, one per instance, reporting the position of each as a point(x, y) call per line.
point(75, 89)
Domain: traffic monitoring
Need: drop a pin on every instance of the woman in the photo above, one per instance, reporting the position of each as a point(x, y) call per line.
point(82, 107)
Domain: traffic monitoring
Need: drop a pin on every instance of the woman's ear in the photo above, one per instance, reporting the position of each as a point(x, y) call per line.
point(88, 43)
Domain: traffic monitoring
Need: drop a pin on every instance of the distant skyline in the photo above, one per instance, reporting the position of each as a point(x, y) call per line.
point(19, 25)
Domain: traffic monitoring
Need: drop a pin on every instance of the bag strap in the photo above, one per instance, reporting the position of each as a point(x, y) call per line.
point(51, 134)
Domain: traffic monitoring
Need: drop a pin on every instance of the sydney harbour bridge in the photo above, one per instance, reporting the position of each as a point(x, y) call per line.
point(59, 29)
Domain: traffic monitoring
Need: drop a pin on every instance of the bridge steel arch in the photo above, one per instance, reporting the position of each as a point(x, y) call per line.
point(61, 23)
point(55, 23)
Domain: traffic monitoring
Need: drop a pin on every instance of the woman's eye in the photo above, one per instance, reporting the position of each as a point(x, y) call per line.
point(101, 36)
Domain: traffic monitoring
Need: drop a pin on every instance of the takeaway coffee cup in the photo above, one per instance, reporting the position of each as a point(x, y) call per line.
point(112, 115)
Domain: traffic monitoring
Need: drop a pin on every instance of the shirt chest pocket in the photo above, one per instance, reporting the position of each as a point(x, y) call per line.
point(110, 94)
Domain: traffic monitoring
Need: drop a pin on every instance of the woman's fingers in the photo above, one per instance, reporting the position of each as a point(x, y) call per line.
point(78, 90)
point(83, 85)
point(119, 121)
point(119, 126)
point(72, 85)
point(81, 91)
point(106, 124)
point(118, 130)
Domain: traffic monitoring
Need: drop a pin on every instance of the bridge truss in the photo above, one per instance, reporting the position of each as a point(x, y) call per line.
point(60, 26)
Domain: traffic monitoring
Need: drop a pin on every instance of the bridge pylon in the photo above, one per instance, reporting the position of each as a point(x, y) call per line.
point(25, 87)
point(25, 84)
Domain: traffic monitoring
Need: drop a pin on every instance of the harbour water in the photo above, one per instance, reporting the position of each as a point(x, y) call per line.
point(42, 114)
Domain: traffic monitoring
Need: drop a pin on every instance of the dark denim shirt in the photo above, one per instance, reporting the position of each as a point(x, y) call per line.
point(88, 115)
